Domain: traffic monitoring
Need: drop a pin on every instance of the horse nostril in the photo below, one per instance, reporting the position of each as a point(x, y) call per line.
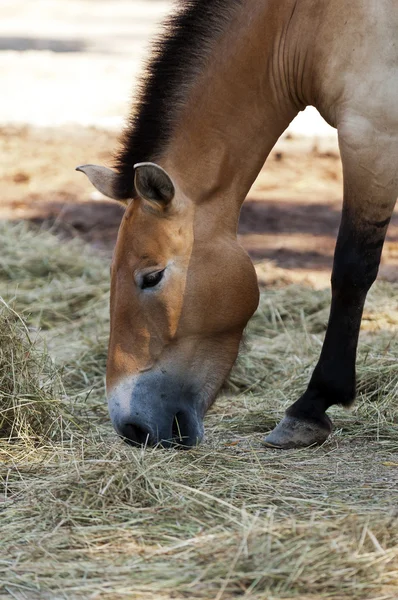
point(167, 432)
point(136, 434)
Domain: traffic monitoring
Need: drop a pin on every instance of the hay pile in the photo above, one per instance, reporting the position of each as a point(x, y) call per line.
point(29, 408)
point(84, 516)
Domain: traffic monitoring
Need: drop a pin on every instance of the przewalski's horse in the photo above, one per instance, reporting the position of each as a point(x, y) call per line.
point(225, 80)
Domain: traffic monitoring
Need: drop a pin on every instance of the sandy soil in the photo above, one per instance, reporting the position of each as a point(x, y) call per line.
point(288, 222)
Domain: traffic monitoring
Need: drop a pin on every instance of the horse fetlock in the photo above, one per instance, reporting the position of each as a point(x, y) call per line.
point(293, 432)
point(335, 384)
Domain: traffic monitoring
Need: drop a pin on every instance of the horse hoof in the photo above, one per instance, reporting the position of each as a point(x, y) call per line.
point(297, 433)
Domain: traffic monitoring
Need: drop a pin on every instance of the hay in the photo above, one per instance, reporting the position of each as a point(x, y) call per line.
point(29, 384)
point(85, 516)
point(68, 281)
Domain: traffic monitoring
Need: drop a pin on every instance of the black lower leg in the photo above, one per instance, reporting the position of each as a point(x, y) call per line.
point(356, 263)
point(370, 191)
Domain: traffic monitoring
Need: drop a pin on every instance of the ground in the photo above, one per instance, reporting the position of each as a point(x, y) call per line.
point(82, 515)
point(288, 224)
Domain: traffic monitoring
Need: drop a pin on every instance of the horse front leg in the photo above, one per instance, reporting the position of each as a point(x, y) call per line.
point(370, 192)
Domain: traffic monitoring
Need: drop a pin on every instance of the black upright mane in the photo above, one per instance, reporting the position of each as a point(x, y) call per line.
point(177, 55)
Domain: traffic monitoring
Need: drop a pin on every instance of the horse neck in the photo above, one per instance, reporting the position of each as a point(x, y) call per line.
point(235, 110)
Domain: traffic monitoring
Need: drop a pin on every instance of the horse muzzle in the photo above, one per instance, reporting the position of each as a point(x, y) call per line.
point(150, 410)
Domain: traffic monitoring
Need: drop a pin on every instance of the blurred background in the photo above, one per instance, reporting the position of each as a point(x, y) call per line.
point(68, 71)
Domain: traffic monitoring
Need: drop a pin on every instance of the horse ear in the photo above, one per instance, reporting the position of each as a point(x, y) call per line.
point(104, 179)
point(153, 184)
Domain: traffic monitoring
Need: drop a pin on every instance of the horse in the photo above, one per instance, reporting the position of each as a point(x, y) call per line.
point(224, 80)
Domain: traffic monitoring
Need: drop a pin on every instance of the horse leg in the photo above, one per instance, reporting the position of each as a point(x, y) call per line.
point(370, 168)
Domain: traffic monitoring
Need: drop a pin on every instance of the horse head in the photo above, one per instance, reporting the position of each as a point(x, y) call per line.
point(182, 292)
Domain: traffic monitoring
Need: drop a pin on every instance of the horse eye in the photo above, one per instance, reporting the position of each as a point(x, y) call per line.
point(152, 279)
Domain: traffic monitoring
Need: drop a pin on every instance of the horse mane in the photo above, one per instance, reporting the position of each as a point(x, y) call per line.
point(178, 55)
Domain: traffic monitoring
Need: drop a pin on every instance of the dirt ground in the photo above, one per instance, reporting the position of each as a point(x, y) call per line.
point(68, 69)
point(288, 224)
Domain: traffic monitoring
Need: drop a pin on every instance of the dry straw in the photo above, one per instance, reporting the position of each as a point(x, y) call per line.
point(84, 516)
point(29, 408)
